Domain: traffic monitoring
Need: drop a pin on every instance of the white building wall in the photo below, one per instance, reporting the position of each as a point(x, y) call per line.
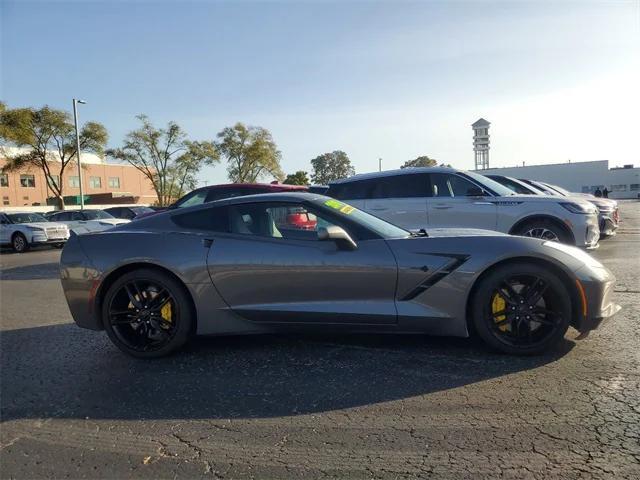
point(579, 176)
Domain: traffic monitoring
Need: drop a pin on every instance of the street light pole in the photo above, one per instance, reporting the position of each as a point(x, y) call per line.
point(379, 164)
point(75, 120)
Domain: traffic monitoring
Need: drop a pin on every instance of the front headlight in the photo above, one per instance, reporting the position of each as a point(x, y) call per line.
point(580, 208)
point(575, 252)
point(36, 229)
point(105, 224)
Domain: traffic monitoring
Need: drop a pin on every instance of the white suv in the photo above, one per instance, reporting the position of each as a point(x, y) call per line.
point(22, 230)
point(417, 198)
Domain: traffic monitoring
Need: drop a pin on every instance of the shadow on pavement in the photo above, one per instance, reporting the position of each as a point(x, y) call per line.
point(62, 371)
point(40, 271)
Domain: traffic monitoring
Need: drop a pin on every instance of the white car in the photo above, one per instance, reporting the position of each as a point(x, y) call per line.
point(22, 230)
point(86, 221)
point(420, 198)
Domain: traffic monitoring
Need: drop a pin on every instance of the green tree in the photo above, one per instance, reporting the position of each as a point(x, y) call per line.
point(166, 157)
point(47, 139)
point(251, 153)
point(299, 178)
point(331, 166)
point(422, 161)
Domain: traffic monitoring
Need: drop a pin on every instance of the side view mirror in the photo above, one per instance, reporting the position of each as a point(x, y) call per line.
point(476, 192)
point(338, 235)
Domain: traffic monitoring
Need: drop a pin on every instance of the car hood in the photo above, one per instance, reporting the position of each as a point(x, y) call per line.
point(111, 221)
point(462, 232)
point(43, 225)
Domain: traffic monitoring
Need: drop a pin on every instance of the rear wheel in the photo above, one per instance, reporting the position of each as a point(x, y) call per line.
point(545, 230)
point(522, 309)
point(19, 243)
point(147, 314)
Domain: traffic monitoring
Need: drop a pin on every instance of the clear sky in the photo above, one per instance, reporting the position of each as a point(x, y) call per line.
point(557, 80)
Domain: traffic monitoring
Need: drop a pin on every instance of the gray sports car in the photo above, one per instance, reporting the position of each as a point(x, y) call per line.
point(306, 262)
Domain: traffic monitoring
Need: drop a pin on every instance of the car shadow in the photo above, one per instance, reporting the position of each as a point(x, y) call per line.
point(40, 271)
point(62, 371)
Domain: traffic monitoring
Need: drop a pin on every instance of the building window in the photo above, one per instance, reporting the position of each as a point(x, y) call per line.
point(74, 181)
point(28, 181)
point(5, 200)
point(634, 186)
point(95, 182)
point(4, 180)
point(54, 181)
point(618, 188)
point(114, 182)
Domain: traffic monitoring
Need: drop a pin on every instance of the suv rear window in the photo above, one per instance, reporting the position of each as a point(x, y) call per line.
point(401, 186)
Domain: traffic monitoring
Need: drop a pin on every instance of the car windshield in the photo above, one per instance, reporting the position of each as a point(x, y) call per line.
point(26, 217)
point(499, 189)
point(560, 190)
point(96, 214)
point(141, 210)
point(375, 224)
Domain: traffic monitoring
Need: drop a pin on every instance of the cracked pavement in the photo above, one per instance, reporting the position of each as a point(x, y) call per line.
point(361, 406)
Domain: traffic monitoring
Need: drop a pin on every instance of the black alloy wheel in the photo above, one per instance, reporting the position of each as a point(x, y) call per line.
point(147, 314)
point(522, 309)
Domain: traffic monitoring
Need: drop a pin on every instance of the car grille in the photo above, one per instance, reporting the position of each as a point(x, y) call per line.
point(56, 232)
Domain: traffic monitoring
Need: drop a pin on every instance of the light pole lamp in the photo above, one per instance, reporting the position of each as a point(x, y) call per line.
point(75, 120)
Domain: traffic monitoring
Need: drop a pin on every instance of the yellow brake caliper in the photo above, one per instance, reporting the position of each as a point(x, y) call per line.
point(498, 304)
point(166, 313)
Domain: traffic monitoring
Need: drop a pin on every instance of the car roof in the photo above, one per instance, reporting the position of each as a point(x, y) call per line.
point(391, 173)
point(274, 186)
point(20, 212)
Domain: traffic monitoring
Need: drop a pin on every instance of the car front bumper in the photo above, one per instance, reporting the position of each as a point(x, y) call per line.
point(608, 223)
point(42, 239)
point(597, 286)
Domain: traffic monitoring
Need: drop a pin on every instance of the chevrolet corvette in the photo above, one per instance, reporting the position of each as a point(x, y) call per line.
point(246, 265)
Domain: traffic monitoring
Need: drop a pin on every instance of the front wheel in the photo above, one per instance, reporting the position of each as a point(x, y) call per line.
point(148, 314)
point(544, 230)
point(521, 309)
point(19, 243)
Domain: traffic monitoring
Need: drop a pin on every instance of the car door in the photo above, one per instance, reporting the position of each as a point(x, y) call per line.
point(401, 200)
point(452, 203)
point(271, 271)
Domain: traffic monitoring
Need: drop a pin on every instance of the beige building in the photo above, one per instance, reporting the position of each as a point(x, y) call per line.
point(112, 181)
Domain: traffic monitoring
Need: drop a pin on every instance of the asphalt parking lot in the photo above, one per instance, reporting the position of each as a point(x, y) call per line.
point(310, 407)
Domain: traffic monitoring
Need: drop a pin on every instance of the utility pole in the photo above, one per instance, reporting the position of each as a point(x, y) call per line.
point(379, 164)
point(75, 120)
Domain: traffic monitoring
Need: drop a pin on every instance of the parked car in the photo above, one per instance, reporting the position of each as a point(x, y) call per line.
point(129, 213)
point(416, 198)
point(232, 270)
point(22, 230)
point(84, 221)
point(517, 186)
point(218, 192)
point(608, 213)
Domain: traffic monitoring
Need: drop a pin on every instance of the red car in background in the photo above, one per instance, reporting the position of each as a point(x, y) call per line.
point(218, 192)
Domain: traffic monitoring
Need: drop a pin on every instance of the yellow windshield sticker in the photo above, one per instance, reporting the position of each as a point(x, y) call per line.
point(341, 207)
point(334, 204)
point(347, 209)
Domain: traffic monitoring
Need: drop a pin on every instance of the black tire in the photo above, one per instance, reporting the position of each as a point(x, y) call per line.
point(140, 330)
point(19, 243)
point(58, 245)
point(546, 230)
point(521, 325)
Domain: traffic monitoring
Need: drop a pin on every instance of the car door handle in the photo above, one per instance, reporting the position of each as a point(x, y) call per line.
point(442, 207)
point(482, 203)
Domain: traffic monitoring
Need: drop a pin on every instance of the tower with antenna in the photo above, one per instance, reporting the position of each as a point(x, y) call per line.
point(481, 143)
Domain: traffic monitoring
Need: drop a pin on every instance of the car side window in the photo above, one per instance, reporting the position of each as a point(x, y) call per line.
point(401, 186)
point(289, 220)
point(359, 190)
point(219, 194)
point(211, 219)
point(61, 217)
point(77, 216)
point(447, 185)
point(195, 198)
